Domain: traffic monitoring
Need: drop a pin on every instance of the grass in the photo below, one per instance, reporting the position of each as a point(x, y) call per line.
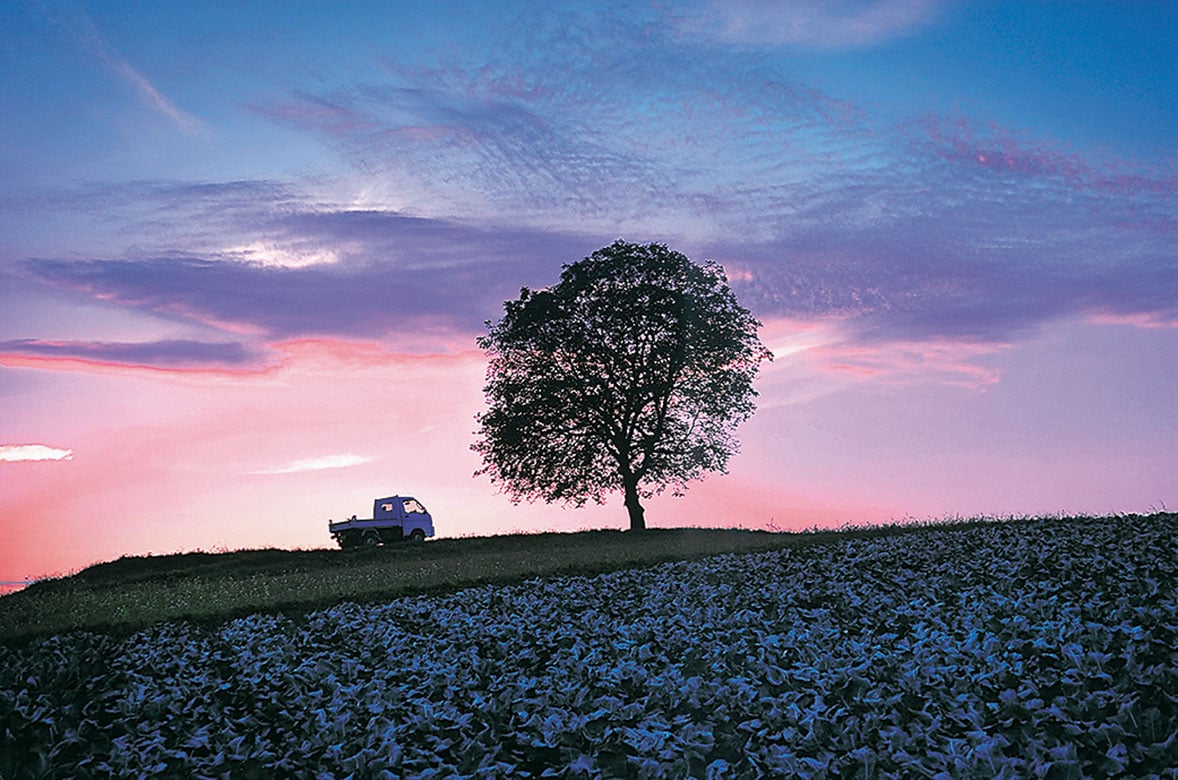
point(134, 592)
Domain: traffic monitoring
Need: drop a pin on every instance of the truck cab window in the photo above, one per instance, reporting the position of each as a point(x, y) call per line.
point(411, 506)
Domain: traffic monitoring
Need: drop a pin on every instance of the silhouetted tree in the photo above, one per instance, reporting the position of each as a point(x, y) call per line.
point(630, 374)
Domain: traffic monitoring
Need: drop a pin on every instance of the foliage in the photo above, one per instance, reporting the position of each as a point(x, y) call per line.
point(630, 374)
point(1029, 649)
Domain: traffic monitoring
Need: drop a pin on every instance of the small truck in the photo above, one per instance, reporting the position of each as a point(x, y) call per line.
point(393, 519)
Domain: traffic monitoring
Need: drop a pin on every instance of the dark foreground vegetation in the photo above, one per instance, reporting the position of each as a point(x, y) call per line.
point(1038, 648)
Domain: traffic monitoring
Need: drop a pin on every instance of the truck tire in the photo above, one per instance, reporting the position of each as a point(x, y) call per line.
point(371, 538)
point(418, 535)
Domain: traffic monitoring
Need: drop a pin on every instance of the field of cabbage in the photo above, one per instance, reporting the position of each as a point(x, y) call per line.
point(1041, 648)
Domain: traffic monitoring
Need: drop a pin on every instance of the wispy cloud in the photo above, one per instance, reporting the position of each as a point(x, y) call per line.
point(919, 230)
point(816, 24)
point(615, 131)
point(15, 453)
point(150, 93)
point(323, 463)
point(957, 363)
point(173, 352)
point(77, 23)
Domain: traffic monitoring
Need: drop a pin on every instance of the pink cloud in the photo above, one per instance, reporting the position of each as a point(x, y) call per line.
point(319, 463)
point(144, 359)
point(167, 353)
point(997, 148)
point(955, 363)
point(1148, 320)
point(1132, 182)
point(827, 347)
point(330, 116)
point(98, 365)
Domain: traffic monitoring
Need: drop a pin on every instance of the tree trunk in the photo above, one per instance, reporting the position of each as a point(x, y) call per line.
point(634, 506)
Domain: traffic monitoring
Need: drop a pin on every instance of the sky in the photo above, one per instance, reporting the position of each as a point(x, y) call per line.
point(246, 250)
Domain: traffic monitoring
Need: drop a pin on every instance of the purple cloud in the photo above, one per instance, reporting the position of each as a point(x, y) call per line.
point(976, 234)
point(911, 237)
point(908, 276)
point(924, 228)
point(919, 239)
point(928, 277)
point(402, 274)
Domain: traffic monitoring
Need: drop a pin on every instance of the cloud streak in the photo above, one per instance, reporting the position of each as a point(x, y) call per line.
point(17, 453)
point(78, 24)
point(149, 92)
point(324, 463)
point(817, 24)
point(168, 353)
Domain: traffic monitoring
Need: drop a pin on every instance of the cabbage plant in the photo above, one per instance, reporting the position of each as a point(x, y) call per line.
point(1019, 649)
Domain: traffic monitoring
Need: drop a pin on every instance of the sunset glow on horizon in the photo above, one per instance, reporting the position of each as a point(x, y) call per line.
point(246, 252)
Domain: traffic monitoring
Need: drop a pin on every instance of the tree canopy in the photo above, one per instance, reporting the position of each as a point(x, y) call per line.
point(630, 374)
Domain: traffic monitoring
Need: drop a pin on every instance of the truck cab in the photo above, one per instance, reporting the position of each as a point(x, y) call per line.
point(393, 519)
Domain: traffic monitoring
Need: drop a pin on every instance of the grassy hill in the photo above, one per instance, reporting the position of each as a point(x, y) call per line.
point(133, 592)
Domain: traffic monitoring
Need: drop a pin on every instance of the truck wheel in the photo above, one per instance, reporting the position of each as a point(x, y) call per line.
point(371, 539)
point(418, 535)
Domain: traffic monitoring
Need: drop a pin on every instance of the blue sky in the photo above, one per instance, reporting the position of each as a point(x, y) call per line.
point(956, 219)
